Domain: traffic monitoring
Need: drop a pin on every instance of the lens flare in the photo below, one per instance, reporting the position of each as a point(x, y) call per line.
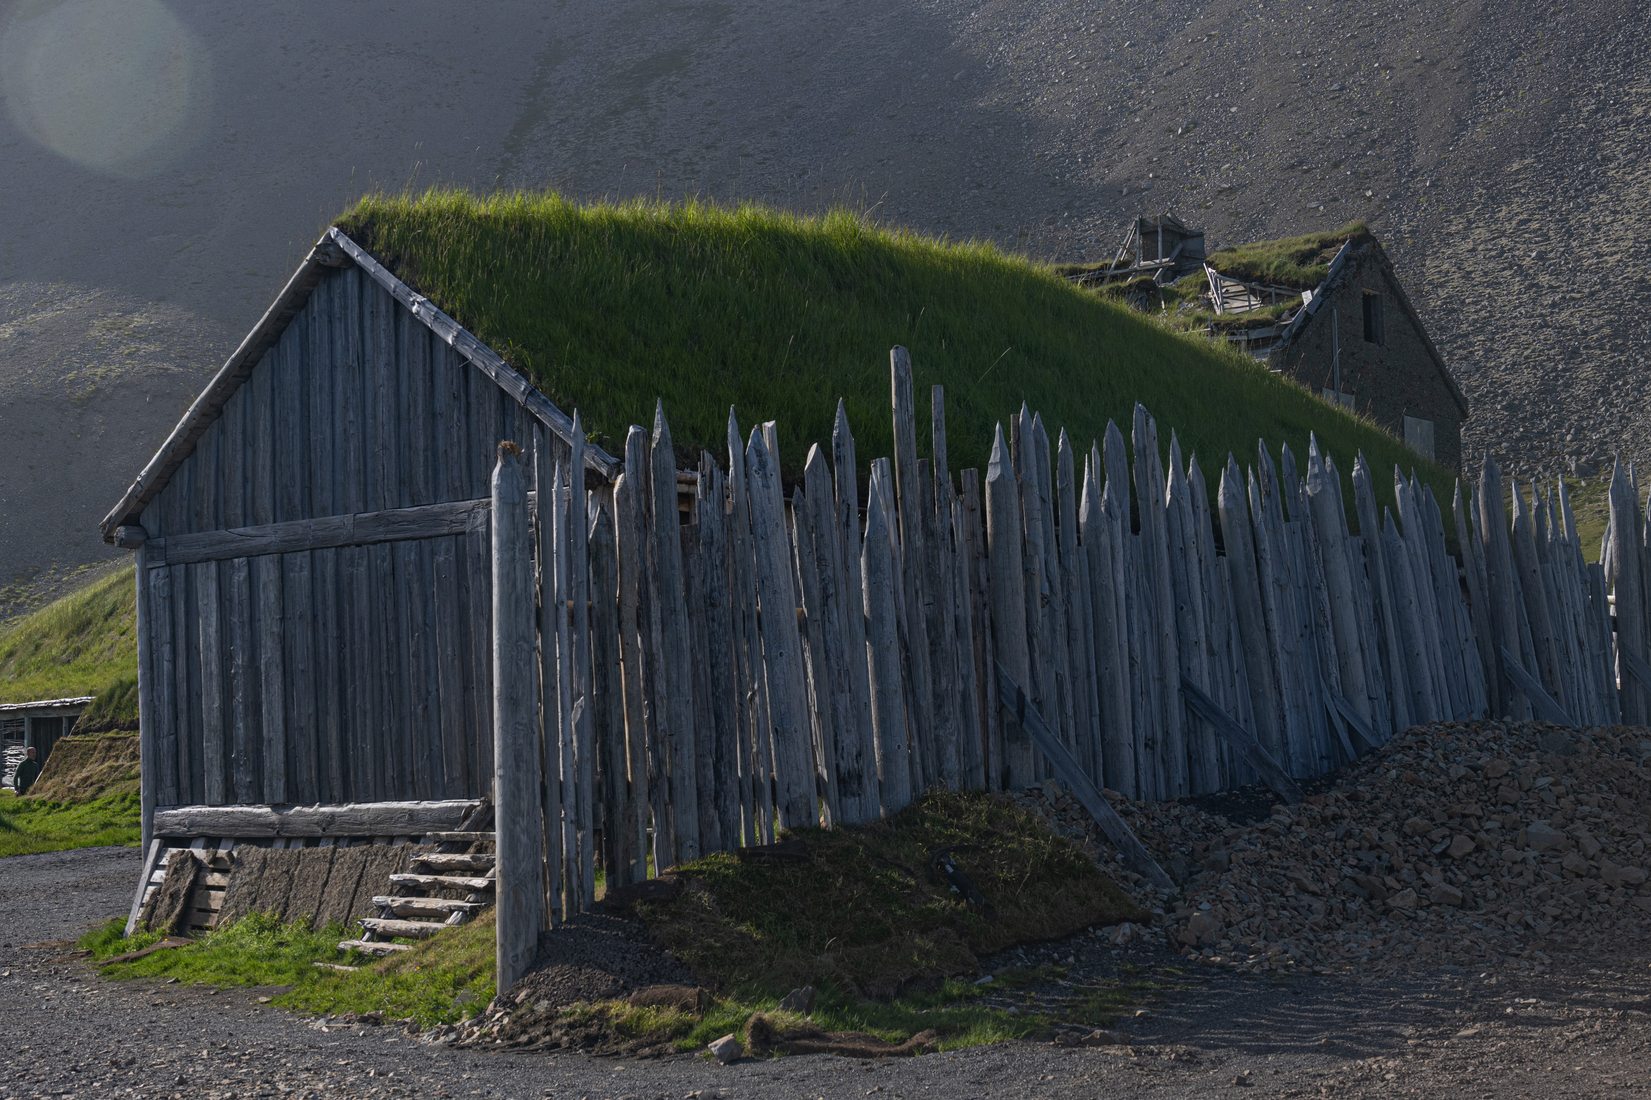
point(120, 86)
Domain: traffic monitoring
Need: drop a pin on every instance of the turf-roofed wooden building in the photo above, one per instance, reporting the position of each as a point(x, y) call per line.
point(312, 555)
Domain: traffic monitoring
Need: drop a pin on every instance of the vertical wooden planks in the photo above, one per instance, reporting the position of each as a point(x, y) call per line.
point(631, 557)
point(674, 680)
point(1008, 586)
point(888, 710)
point(1164, 685)
point(781, 640)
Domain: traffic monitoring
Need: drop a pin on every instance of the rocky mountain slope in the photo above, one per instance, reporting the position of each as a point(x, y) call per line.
point(179, 166)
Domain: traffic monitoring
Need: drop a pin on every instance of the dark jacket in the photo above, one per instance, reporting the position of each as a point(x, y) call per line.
point(27, 772)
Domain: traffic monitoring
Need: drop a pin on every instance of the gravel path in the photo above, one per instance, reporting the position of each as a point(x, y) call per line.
point(1585, 1031)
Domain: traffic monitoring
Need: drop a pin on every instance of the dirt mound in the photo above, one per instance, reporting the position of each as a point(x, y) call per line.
point(1457, 844)
point(83, 767)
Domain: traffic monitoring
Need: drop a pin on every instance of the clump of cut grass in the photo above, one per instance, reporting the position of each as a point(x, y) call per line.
point(1297, 262)
point(867, 911)
point(82, 644)
point(608, 306)
point(29, 826)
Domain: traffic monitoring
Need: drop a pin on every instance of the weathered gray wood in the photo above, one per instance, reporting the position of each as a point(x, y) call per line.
point(1164, 680)
point(246, 749)
point(1346, 612)
point(1132, 851)
point(1260, 656)
point(1188, 619)
point(273, 619)
point(888, 711)
point(1101, 546)
point(822, 723)
point(1501, 582)
point(362, 529)
point(719, 756)
point(632, 556)
point(1344, 713)
point(781, 641)
point(841, 745)
point(674, 683)
point(1271, 771)
point(342, 820)
point(579, 600)
point(1008, 603)
point(1546, 708)
point(517, 775)
point(608, 690)
point(1080, 632)
point(757, 741)
point(978, 582)
point(151, 689)
point(150, 862)
point(1627, 591)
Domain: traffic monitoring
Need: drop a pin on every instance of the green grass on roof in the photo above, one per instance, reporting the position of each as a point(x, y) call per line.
point(82, 644)
point(608, 306)
point(1300, 262)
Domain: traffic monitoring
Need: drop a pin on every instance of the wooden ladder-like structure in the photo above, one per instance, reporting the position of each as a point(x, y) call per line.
point(441, 889)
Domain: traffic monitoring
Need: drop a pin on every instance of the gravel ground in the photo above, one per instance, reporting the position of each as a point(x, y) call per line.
point(1582, 1030)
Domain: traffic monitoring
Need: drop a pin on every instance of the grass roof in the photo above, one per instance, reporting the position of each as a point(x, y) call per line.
point(82, 644)
point(608, 306)
point(1298, 262)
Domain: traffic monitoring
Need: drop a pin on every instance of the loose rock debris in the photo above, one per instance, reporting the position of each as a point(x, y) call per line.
point(1455, 844)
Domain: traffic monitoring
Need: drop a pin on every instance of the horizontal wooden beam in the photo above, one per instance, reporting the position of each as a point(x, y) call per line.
point(349, 819)
point(426, 521)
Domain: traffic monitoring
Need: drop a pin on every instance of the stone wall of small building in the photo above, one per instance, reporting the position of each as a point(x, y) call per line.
point(1387, 381)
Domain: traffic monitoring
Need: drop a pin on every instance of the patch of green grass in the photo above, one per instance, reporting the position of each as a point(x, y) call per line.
point(82, 644)
point(258, 950)
point(29, 826)
point(1297, 262)
point(868, 913)
point(609, 306)
point(442, 979)
point(1591, 508)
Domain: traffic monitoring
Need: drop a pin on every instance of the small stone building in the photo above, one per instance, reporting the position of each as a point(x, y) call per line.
point(1359, 340)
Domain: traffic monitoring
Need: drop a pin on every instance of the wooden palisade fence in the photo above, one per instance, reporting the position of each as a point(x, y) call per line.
point(685, 663)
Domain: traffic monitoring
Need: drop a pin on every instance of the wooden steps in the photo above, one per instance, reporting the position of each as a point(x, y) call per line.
point(442, 908)
point(459, 836)
point(374, 947)
point(406, 912)
point(472, 883)
point(455, 861)
point(403, 929)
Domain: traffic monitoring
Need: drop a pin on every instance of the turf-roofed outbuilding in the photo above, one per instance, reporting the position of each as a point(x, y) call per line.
point(312, 554)
point(311, 540)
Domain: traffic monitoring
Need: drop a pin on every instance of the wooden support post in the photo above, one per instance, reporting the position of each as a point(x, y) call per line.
point(1066, 769)
point(516, 776)
point(1266, 765)
point(1543, 706)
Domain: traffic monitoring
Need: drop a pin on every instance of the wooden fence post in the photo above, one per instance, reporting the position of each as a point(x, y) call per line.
point(516, 777)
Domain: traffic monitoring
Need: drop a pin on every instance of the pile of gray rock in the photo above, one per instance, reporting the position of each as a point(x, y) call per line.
point(1456, 844)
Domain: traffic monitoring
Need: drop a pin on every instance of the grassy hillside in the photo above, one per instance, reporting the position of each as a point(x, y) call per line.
point(82, 644)
point(607, 307)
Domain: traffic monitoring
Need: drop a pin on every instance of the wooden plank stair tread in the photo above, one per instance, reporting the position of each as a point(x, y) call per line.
point(427, 907)
point(373, 947)
point(394, 926)
point(456, 861)
point(449, 882)
point(460, 836)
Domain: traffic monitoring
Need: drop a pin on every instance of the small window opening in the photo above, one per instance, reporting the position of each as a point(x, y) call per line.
point(1373, 318)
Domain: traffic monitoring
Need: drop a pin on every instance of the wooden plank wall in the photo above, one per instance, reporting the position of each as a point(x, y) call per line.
point(353, 672)
point(832, 661)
